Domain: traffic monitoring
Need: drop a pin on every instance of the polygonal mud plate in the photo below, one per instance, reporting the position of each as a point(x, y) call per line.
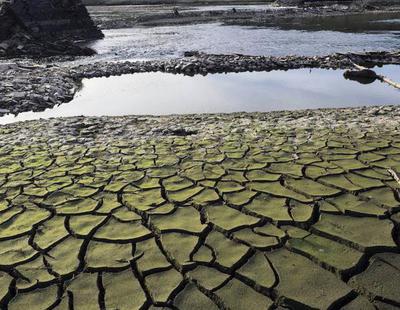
point(143, 200)
point(122, 291)
point(365, 234)
point(83, 225)
point(179, 246)
point(259, 271)
point(238, 296)
point(163, 284)
point(5, 284)
point(383, 196)
point(50, 232)
point(184, 195)
point(229, 253)
point(184, 219)
point(108, 256)
point(85, 294)
point(350, 204)
point(239, 198)
point(38, 299)
point(337, 256)
point(205, 197)
point(228, 218)
point(176, 183)
point(276, 189)
point(116, 231)
point(16, 251)
point(64, 257)
point(310, 286)
point(191, 298)
point(23, 222)
point(270, 207)
point(150, 257)
point(81, 206)
point(35, 273)
point(311, 188)
point(381, 278)
point(207, 277)
point(255, 240)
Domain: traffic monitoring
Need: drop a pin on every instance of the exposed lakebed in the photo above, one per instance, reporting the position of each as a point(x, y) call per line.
point(247, 211)
point(162, 93)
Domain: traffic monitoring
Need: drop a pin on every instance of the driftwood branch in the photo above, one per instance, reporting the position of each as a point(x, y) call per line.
point(388, 81)
point(394, 175)
point(379, 77)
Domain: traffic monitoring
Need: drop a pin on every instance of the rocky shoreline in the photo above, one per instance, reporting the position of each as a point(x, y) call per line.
point(110, 128)
point(36, 87)
point(22, 44)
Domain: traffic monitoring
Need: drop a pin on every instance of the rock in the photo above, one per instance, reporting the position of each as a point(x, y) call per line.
point(381, 279)
point(59, 26)
point(4, 45)
point(19, 94)
point(54, 19)
point(7, 66)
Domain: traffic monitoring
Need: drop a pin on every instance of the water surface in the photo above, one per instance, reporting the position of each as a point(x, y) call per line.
point(173, 41)
point(162, 93)
point(291, 36)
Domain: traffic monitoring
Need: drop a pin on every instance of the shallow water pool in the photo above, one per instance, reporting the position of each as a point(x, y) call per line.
point(162, 93)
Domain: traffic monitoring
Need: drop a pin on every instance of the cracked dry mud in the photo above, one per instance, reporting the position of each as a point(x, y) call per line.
point(282, 210)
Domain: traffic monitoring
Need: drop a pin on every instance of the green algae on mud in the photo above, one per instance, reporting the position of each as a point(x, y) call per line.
point(114, 213)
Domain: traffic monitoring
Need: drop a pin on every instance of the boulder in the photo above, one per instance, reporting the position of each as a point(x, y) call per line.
point(44, 28)
point(54, 18)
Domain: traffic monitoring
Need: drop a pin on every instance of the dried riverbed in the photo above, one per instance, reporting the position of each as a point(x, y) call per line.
point(293, 208)
point(287, 209)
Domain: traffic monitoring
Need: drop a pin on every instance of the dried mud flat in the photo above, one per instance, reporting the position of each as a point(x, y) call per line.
point(233, 211)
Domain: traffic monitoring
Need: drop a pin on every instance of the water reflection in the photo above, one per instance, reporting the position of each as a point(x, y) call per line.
point(361, 76)
point(161, 93)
